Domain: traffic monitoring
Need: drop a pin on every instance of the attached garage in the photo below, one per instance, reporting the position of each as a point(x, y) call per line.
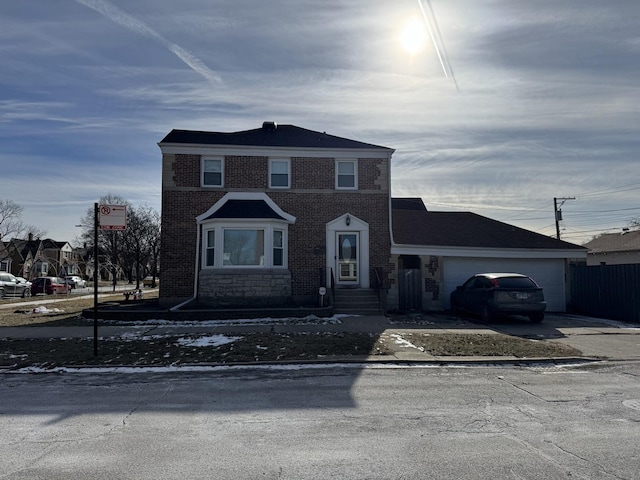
point(548, 273)
point(450, 247)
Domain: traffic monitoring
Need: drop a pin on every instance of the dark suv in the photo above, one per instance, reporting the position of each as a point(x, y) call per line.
point(495, 294)
point(11, 287)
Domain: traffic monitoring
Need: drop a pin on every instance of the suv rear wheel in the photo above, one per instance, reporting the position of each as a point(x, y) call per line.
point(536, 317)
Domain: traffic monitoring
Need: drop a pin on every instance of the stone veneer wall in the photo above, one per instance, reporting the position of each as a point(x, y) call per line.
point(432, 296)
point(432, 283)
point(244, 287)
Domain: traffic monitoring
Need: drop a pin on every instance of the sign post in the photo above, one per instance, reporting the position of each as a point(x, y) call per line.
point(105, 217)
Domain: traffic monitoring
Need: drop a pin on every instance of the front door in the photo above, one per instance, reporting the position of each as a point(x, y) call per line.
point(348, 264)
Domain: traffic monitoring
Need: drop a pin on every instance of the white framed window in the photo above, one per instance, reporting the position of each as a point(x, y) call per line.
point(346, 174)
point(4, 266)
point(210, 248)
point(244, 245)
point(279, 173)
point(278, 248)
point(212, 172)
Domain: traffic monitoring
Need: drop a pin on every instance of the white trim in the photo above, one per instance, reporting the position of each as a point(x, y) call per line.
point(339, 224)
point(445, 251)
point(245, 196)
point(202, 171)
point(266, 225)
point(265, 151)
point(282, 160)
point(354, 162)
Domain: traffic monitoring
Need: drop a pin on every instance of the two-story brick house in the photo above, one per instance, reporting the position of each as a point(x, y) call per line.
point(268, 216)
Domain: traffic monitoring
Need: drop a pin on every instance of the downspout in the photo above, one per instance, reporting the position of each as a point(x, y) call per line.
point(195, 277)
point(386, 299)
point(390, 208)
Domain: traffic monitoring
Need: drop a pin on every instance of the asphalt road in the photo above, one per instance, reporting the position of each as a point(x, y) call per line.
point(324, 423)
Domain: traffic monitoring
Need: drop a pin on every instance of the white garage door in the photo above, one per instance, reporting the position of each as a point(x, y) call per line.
point(548, 273)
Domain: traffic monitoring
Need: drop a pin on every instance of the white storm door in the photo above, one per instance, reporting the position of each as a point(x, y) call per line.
point(347, 259)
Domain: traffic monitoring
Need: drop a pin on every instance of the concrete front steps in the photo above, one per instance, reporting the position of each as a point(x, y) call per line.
point(357, 301)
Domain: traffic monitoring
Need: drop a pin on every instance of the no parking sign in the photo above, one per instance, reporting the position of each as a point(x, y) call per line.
point(113, 217)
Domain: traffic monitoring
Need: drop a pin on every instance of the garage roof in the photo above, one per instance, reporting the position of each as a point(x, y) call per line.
point(414, 225)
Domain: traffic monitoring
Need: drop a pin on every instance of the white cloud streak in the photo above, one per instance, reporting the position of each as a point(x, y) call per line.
point(122, 18)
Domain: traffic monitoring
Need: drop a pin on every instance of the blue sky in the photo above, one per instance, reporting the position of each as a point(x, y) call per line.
point(515, 103)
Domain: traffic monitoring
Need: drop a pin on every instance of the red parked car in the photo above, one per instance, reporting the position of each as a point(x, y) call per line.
point(49, 285)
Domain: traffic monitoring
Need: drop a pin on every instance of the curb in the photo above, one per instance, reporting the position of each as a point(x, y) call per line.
point(363, 362)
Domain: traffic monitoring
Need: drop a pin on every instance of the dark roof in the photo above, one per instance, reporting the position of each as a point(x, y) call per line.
point(270, 135)
point(245, 209)
point(615, 242)
point(412, 226)
point(408, 204)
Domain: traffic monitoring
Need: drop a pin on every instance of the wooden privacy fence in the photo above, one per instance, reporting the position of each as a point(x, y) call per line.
point(606, 291)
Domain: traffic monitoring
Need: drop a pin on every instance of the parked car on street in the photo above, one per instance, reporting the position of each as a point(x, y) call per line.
point(499, 294)
point(23, 280)
point(49, 285)
point(11, 287)
point(74, 281)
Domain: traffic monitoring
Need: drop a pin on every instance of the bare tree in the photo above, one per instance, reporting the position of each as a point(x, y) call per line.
point(141, 242)
point(109, 241)
point(11, 223)
point(134, 251)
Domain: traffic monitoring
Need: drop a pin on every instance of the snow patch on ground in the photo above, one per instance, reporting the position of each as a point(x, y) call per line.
point(43, 309)
point(400, 340)
point(207, 341)
point(308, 320)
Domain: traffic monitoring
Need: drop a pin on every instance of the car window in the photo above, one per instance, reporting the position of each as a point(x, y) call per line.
point(469, 283)
point(516, 282)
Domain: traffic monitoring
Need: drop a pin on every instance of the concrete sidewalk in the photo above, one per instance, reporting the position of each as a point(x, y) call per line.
point(595, 338)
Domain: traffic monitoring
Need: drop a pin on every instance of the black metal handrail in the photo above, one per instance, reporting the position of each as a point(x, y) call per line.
point(377, 285)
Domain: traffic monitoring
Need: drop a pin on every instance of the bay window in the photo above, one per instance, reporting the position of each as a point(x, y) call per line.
point(244, 244)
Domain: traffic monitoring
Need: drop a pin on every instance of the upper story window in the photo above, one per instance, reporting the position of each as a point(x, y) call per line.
point(212, 172)
point(346, 174)
point(279, 173)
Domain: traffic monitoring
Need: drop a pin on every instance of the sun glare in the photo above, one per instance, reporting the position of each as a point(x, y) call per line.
point(414, 36)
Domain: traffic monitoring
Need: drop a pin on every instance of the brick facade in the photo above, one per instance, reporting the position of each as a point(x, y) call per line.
point(312, 199)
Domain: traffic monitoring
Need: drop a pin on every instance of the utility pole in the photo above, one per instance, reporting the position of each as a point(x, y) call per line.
point(558, 212)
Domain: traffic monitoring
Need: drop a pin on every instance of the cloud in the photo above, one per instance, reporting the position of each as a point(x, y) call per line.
point(128, 21)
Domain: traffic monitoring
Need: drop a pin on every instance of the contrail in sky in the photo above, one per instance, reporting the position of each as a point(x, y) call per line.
point(437, 43)
point(116, 15)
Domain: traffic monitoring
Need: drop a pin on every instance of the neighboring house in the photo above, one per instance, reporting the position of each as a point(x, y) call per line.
point(614, 248)
point(5, 257)
point(268, 216)
point(33, 258)
point(436, 251)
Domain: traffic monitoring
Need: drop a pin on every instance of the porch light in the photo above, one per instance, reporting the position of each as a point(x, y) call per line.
point(348, 220)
